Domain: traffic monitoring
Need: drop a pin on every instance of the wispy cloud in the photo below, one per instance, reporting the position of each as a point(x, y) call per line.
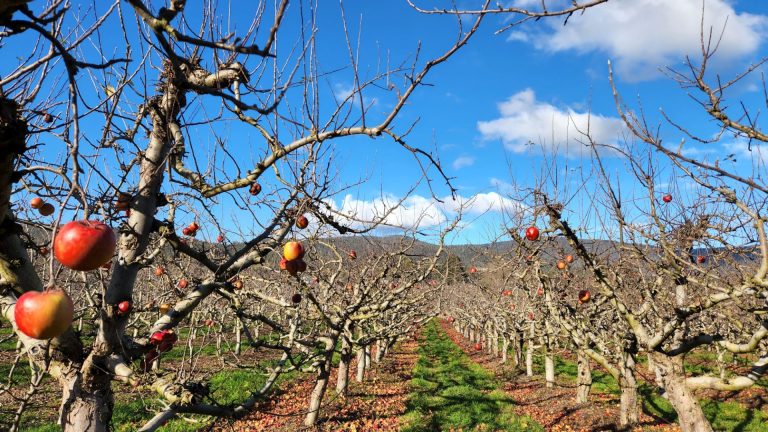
point(463, 161)
point(525, 122)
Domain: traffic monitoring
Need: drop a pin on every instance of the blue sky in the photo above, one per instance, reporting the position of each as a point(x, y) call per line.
point(535, 82)
point(532, 83)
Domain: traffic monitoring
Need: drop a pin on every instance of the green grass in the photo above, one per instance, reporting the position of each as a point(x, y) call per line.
point(450, 392)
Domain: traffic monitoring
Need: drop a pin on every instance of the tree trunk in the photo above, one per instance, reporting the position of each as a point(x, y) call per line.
point(318, 392)
point(629, 405)
point(672, 379)
point(529, 351)
point(238, 336)
point(504, 349)
point(379, 351)
point(495, 343)
point(583, 377)
point(549, 370)
point(342, 381)
point(360, 365)
point(520, 341)
point(321, 383)
point(86, 410)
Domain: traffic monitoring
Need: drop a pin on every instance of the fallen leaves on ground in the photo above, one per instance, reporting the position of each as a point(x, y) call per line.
point(373, 405)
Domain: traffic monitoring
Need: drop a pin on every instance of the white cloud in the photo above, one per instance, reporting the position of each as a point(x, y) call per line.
point(463, 161)
point(643, 35)
point(417, 211)
point(525, 121)
point(344, 91)
point(742, 150)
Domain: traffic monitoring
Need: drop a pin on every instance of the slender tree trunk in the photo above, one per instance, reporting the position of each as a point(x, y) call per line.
point(549, 370)
point(238, 336)
point(495, 342)
point(518, 352)
point(342, 381)
point(360, 365)
point(504, 349)
point(368, 350)
point(321, 383)
point(689, 413)
point(529, 352)
point(583, 377)
point(629, 405)
point(379, 351)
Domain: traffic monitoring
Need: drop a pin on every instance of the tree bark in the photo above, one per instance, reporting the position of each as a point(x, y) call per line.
point(360, 365)
point(672, 380)
point(368, 350)
point(504, 349)
point(529, 352)
point(549, 370)
point(583, 377)
point(629, 405)
point(321, 383)
point(86, 409)
point(342, 381)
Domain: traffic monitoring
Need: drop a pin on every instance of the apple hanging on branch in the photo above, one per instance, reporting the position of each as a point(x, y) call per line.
point(44, 315)
point(532, 233)
point(84, 245)
point(302, 222)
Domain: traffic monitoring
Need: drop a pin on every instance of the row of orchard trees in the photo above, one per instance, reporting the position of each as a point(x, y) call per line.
point(678, 273)
point(155, 116)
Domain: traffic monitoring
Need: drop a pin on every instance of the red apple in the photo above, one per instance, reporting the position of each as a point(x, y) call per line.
point(44, 315)
point(159, 271)
point(293, 250)
point(296, 298)
point(352, 254)
point(255, 188)
point(302, 222)
point(561, 265)
point(473, 269)
point(209, 323)
point(532, 233)
point(46, 209)
point(584, 296)
point(667, 198)
point(84, 245)
point(301, 266)
point(36, 203)
point(183, 283)
point(478, 347)
point(569, 259)
point(701, 259)
point(220, 238)
point(186, 231)
point(124, 307)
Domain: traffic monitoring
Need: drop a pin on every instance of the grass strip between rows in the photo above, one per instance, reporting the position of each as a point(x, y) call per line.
point(450, 392)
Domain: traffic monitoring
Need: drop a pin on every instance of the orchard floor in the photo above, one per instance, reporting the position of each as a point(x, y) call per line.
point(554, 408)
point(374, 405)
